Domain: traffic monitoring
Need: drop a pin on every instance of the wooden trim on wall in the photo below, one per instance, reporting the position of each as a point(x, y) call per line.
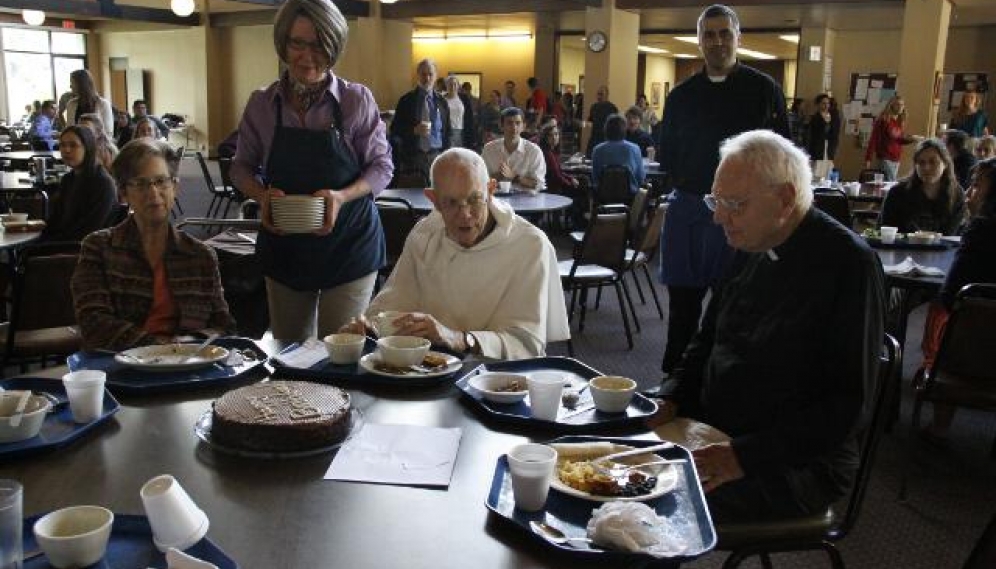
point(418, 8)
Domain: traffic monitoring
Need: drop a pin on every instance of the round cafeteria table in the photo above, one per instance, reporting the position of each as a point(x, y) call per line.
point(523, 203)
point(268, 514)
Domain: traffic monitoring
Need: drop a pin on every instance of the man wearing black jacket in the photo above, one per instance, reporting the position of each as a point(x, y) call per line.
point(421, 124)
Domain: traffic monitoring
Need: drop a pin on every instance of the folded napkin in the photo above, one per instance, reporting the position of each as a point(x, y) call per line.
point(305, 355)
point(176, 559)
point(909, 268)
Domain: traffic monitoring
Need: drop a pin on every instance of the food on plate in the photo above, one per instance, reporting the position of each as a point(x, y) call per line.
point(584, 476)
point(924, 237)
point(281, 416)
point(513, 386)
point(434, 361)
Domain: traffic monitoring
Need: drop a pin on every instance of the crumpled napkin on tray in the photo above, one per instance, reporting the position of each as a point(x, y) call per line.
point(633, 527)
point(176, 559)
point(909, 268)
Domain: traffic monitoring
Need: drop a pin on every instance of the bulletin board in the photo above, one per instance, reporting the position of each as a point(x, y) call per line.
point(868, 93)
point(954, 85)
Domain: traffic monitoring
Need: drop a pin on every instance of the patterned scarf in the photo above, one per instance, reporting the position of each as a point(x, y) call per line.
point(303, 95)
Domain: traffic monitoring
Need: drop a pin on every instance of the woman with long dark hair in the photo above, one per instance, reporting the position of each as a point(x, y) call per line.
point(106, 149)
point(824, 130)
point(86, 100)
point(87, 196)
point(930, 199)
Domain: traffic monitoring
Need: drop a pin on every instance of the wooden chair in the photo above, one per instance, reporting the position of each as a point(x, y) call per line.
point(834, 203)
point(822, 530)
point(42, 321)
point(599, 261)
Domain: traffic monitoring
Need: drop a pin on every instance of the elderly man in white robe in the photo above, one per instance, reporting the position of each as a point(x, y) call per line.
point(474, 277)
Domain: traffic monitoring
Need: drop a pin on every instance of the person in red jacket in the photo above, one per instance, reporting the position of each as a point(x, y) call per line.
point(885, 147)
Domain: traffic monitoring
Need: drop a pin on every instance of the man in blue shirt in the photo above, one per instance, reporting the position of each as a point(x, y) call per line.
point(617, 152)
point(41, 133)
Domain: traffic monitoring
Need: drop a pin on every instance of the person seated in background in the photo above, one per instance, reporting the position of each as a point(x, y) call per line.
point(42, 134)
point(930, 199)
point(106, 150)
point(968, 117)
point(142, 281)
point(145, 128)
point(490, 123)
point(617, 152)
point(512, 157)
point(87, 196)
point(962, 157)
point(635, 132)
point(973, 263)
point(985, 147)
point(474, 277)
point(791, 396)
point(122, 127)
point(557, 182)
point(140, 110)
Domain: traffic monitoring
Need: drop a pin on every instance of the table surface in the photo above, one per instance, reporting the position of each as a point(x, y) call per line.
point(13, 240)
point(29, 154)
point(523, 203)
point(21, 182)
point(281, 513)
point(585, 168)
point(940, 258)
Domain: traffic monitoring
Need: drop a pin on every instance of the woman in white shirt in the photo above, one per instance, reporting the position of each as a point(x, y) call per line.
point(86, 100)
point(457, 111)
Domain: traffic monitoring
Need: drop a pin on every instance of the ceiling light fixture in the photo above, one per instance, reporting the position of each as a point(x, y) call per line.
point(33, 17)
point(685, 56)
point(511, 36)
point(793, 38)
point(755, 54)
point(182, 8)
point(688, 39)
point(648, 49)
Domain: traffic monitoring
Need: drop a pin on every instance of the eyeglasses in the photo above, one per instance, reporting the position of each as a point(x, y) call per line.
point(733, 206)
point(298, 44)
point(146, 184)
point(474, 203)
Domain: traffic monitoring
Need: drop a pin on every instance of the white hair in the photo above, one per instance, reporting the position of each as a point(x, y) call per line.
point(465, 158)
point(773, 159)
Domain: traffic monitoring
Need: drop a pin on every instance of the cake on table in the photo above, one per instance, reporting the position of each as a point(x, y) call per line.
point(281, 416)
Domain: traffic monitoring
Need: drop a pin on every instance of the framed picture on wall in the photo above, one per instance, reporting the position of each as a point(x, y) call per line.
point(470, 77)
point(655, 94)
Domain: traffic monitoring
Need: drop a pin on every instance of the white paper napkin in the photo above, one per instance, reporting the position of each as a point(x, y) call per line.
point(307, 354)
point(405, 455)
point(910, 268)
point(176, 559)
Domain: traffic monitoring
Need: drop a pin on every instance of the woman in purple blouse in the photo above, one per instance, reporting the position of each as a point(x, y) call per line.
point(312, 133)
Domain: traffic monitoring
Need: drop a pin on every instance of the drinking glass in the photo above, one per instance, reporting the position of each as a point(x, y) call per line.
point(11, 494)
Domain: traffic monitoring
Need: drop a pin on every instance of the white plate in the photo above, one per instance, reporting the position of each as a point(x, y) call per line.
point(170, 357)
point(667, 478)
point(453, 365)
point(202, 428)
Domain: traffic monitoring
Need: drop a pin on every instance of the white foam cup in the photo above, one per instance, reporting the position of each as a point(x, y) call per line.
point(175, 519)
point(531, 466)
point(85, 389)
point(545, 389)
point(504, 186)
point(888, 234)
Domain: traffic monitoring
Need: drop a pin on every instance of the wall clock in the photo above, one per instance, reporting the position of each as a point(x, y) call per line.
point(597, 41)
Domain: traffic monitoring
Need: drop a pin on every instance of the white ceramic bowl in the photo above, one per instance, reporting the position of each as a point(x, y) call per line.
point(13, 217)
point(31, 422)
point(612, 393)
point(344, 348)
point(75, 536)
point(402, 351)
point(497, 387)
point(504, 187)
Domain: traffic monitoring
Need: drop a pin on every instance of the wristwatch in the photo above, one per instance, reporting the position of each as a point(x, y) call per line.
point(470, 343)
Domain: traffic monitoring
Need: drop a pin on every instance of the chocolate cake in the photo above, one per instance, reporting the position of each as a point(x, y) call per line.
point(281, 416)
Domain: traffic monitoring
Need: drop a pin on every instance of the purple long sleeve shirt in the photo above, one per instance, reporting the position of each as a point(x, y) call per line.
point(362, 128)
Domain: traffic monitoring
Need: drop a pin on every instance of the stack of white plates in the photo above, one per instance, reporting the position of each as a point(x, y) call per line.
point(298, 214)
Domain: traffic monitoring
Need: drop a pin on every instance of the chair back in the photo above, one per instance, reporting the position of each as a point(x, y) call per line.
point(225, 167)
point(969, 340)
point(41, 295)
point(613, 186)
point(638, 212)
point(208, 180)
point(397, 217)
point(834, 203)
point(604, 243)
point(889, 376)
point(650, 239)
point(868, 174)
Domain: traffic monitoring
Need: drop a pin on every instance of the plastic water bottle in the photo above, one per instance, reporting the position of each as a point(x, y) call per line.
point(834, 177)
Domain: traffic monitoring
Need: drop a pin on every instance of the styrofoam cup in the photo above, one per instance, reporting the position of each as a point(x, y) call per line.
point(545, 390)
point(531, 466)
point(888, 234)
point(85, 389)
point(175, 519)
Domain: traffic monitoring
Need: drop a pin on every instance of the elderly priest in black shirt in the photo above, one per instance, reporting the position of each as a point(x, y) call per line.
point(786, 358)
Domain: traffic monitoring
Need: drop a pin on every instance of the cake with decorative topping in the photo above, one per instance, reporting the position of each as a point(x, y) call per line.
point(281, 416)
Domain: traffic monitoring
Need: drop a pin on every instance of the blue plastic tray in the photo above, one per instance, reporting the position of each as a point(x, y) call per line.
point(58, 430)
point(639, 408)
point(327, 372)
point(131, 547)
point(685, 508)
point(124, 380)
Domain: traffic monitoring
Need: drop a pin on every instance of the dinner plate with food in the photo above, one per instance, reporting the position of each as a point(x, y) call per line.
point(171, 357)
point(581, 472)
point(434, 364)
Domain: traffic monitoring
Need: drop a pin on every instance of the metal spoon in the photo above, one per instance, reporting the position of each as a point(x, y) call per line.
point(617, 470)
point(15, 419)
point(554, 535)
point(197, 351)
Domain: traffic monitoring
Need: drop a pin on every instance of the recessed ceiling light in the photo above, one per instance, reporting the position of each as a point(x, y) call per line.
point(755, 54)
point(794, 38)
point(687, 39)
point(648, 49)
point(685, 56)
point(33, 17)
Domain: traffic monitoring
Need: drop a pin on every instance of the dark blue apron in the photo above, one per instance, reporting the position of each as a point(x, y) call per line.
point(303, 161)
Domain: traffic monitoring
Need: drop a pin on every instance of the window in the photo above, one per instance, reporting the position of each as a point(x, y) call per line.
point(37, 64)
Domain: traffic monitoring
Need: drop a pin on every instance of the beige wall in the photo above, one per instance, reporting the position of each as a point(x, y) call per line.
point(257, 66)
point(660, 69)
point(571, 64)
point(496, 60)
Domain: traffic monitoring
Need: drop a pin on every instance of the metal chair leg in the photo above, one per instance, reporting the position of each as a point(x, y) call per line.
point(629, 301)
point(653, 291)
point(622, 310)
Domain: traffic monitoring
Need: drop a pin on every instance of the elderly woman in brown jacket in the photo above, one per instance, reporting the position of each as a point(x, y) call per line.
point(144, 282)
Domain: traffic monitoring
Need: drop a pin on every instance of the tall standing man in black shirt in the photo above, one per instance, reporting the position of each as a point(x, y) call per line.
point(786, 360)
point(724, 99)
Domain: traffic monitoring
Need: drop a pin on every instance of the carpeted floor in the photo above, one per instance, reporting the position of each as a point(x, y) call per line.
point(953, 489)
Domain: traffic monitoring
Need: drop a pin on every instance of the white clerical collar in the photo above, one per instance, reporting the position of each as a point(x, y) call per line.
point(772, 255)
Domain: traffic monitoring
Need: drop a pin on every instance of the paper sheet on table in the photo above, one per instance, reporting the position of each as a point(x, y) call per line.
point(404, 455)
point(305, 355)
point(909, 268)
